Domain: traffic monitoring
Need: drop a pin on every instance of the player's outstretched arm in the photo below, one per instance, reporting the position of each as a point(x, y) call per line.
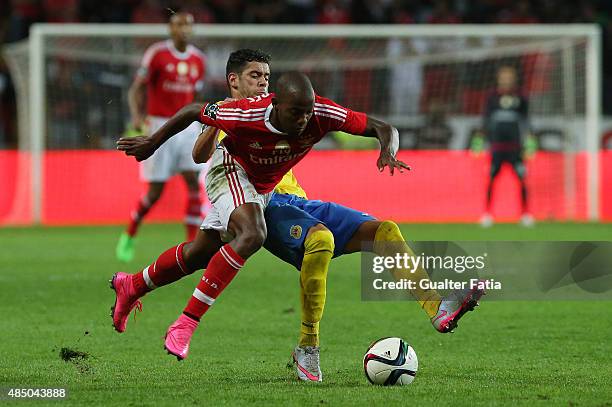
point(143, 147)
point(388, 136)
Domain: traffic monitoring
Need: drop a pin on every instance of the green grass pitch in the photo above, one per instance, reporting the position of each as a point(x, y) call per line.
point(54, 294)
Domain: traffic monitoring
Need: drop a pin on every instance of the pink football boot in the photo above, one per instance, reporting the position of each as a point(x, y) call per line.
point(179, 335)
point(125, 301)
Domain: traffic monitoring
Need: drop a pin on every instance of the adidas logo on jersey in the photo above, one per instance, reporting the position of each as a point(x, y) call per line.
point(255, 145)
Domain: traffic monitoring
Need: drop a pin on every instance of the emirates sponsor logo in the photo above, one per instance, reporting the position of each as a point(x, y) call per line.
point(277, 159)
point(178, 87)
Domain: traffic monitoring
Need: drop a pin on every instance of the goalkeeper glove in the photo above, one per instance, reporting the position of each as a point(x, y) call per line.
point(477, 143)
point(530, 146)
point(130, 131)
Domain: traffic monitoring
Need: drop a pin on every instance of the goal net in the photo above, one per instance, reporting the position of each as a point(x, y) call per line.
point(429, 81)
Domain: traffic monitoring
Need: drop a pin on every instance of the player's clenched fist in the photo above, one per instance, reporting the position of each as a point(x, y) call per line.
point(141, 147)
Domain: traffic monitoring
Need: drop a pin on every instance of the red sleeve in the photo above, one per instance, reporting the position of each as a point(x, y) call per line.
point(203, 67)
point(147, 65)
point(339, 118)
point(199, 85)
point(222, 117)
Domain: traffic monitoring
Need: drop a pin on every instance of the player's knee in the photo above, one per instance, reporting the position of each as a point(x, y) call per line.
point(319, 239)
point(154, 194)
point(250, 240)
point(192, 184)
point(193, 187)
point(389, 231)
point(319, 247)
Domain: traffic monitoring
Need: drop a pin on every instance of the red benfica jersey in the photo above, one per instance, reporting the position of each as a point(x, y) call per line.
point(265, 153)
point(172, 77)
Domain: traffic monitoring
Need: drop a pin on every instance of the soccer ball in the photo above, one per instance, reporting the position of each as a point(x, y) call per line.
point(390, 361)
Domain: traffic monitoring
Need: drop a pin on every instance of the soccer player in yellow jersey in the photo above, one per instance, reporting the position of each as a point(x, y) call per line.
point(309, 233)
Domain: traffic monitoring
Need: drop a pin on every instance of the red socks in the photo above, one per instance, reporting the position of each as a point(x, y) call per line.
point(137, 215)
point(168, 267)
point(221, 270)
point(193, 215)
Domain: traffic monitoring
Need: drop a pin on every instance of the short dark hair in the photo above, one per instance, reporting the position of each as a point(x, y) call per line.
point(176, 13)
point(238, 60)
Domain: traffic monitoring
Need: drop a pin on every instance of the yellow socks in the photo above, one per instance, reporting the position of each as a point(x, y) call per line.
point(387, 241)
point(318, 251)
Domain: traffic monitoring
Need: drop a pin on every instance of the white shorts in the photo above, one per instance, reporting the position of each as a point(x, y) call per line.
point(174, 156)
point(228, 187)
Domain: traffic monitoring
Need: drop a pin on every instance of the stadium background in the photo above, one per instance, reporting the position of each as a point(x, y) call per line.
point(53, 280)
point(102, 184)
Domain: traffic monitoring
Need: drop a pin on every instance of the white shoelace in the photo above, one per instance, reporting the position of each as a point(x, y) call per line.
point(311, 359)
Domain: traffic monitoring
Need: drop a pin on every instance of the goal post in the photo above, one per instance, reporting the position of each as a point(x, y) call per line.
point(334, 52)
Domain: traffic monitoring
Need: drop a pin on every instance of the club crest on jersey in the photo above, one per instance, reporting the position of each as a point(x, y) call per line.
point(194, 72)
point(182, 68)
point(282, 147)
point(295, 231)
point(306, 141)
point(211, 110)
point(506, 102)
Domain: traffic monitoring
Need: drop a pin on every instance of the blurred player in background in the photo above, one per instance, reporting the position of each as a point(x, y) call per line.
point(506, 126)
point(169, 76)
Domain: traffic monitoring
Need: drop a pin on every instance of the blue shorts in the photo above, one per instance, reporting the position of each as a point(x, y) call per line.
point(288, 218)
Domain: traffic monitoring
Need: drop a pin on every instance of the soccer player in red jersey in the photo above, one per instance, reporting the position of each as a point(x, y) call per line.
point(170, 75)
point(237, 202)
point(309, 233)
point(266, 136)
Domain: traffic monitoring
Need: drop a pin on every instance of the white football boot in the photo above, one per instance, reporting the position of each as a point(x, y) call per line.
point(306, 360)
